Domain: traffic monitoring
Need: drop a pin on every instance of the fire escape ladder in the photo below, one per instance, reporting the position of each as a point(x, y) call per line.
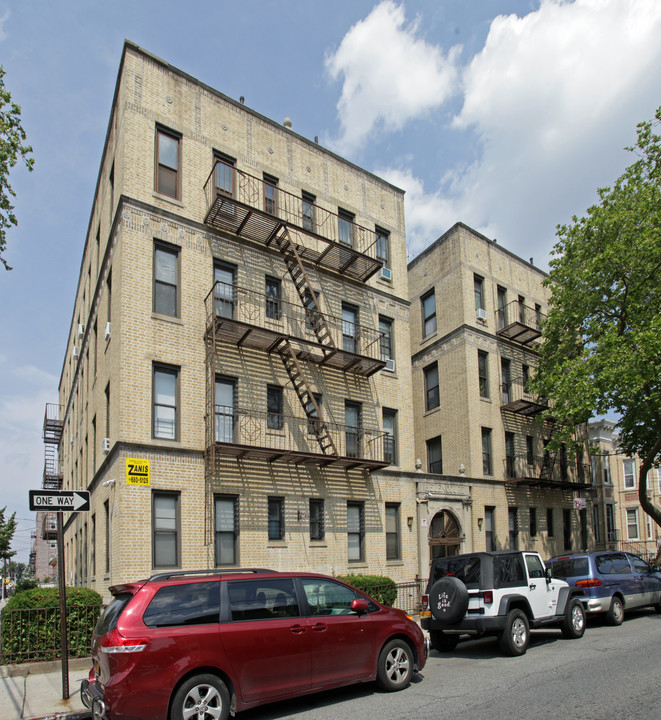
point(305, 292)
point(548, 464)
point(306, 398)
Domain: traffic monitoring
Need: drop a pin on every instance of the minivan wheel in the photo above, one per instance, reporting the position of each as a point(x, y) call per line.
point(443, 642)
point(201, 697)
point(395, 668)
point(515, 637)
point(615, 613)
point(573, 623)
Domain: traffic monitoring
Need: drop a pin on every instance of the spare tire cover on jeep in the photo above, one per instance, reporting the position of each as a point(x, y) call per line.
point(448, 600)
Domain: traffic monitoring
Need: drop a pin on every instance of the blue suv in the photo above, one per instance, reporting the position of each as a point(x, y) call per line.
point(612, 581)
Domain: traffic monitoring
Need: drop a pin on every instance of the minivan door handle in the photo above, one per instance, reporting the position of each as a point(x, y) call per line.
point(297, 629)
point(320, 627)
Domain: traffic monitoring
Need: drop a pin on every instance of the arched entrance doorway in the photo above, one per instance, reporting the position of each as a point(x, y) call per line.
point(444, 535)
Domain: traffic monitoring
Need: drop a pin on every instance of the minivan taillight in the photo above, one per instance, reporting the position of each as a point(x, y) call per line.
point(487, 597)
point(588, 582)
point(115, 642)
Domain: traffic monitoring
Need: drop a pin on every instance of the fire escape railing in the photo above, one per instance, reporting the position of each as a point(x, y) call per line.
point(519, 322)
point(517, 398)
point(547, 470)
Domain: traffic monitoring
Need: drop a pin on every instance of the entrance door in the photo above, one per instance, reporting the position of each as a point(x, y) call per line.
point(444, 535)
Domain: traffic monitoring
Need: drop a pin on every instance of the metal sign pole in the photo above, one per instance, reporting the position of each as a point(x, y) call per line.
point(64, 649)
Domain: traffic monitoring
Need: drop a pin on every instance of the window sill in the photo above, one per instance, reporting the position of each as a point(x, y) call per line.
point(394, 563)
point(486, 400)
point(432, 411)
point(431, 336)
point(276, 544)
point(167, 198)
point(318, 543)
point(167, 318)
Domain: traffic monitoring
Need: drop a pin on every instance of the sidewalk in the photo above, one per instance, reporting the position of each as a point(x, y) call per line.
point(34, 690)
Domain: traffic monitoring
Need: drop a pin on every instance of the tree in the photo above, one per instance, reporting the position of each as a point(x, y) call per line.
point(12, 148)
point(7, 530)
point(601, 349)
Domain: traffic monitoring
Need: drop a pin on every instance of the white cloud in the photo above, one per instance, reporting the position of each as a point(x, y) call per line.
point(3, 20)
point(551, 99)
point(391, 75)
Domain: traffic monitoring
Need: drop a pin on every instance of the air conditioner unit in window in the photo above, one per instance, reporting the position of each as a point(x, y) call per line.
point(481, 314)
point(106, 334)
point(106, 445)
point(390, 365)
point(76, 351)
point(386, 273)
point(81, 331)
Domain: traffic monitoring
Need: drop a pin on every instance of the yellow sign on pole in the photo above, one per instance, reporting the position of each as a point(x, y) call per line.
point(137, 471)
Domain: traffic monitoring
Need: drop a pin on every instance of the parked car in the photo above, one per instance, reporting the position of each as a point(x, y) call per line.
point(501, 593)
point(205, 643)
point(612, 581)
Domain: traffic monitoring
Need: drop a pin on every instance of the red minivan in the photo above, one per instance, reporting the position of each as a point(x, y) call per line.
point(203, 643)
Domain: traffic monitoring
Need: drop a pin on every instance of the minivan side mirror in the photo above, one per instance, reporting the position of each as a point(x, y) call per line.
point(359, 605)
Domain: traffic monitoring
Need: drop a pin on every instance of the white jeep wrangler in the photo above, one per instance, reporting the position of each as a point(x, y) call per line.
point(497, 593)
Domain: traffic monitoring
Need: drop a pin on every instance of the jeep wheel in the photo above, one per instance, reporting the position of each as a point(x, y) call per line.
point(515, 637)
point(443, 642)
point(615, 613)
point(395, 668)
point(202, 697)
point(573, 623)
point(448, 600)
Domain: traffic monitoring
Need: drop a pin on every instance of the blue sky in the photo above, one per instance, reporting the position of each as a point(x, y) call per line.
point(504, 114)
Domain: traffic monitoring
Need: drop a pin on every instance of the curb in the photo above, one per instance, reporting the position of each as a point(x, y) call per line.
point(38, 668)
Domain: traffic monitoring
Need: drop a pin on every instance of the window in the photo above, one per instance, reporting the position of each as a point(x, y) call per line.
point(225, 176)
point(530, 454)
point(314, 425)
point(538, 316)
point(107, 394)
point(510, 459)
point(317, 529)
point(629, 474)
point(525, 376)
point(478, 285)
point(549, 522)
point(312, 306)
point(165, 529)
point(276, 518)
point(428, 313)
point(274, 420)
point(533, 521)
point(345, 227)
point(224, 277)
point(308, 219)
point(165, 391)
point(432, 396)
point(383, 246)
point(502, 307)
point(596, 523)
point(106, 515)
point(225, 411)
point(393, 545)
point(270, 194)
point(435, 455)
point(273, 292)
point(385, 328)
point(513, 514)
point(349, 328)
point(262, 599)
point(226, 529)
point(184, 605)
point(506, 380)
point(390, 436)
point(166, 280)
point(353, 423)
point(611, 532)
point(487, 465)
point(167, 170)
point(566, 528)
point(483, 373)
point(632, 524)
point(93, 546)
point(522, 310)
point(109, 295)
point(489, 528)
point(356, 531)
point(326, 597)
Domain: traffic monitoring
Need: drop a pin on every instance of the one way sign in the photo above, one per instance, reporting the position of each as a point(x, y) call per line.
point(60, 500)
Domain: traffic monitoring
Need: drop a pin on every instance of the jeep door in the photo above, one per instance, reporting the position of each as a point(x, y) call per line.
point(342, 642)
point(542, 595)
point(266, 639)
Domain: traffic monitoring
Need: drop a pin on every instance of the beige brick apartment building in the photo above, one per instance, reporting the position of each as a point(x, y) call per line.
point(476, 312)
point(237, 377)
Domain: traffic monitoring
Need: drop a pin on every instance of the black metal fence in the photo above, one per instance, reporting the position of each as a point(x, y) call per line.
point(33, 634)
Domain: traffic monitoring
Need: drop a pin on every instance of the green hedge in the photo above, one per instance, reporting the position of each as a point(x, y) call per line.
point(379, 587)
point(31, 623)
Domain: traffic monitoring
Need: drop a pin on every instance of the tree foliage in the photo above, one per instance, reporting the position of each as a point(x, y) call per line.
point(601, 349)
point(7, 530)
point(12, 149)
